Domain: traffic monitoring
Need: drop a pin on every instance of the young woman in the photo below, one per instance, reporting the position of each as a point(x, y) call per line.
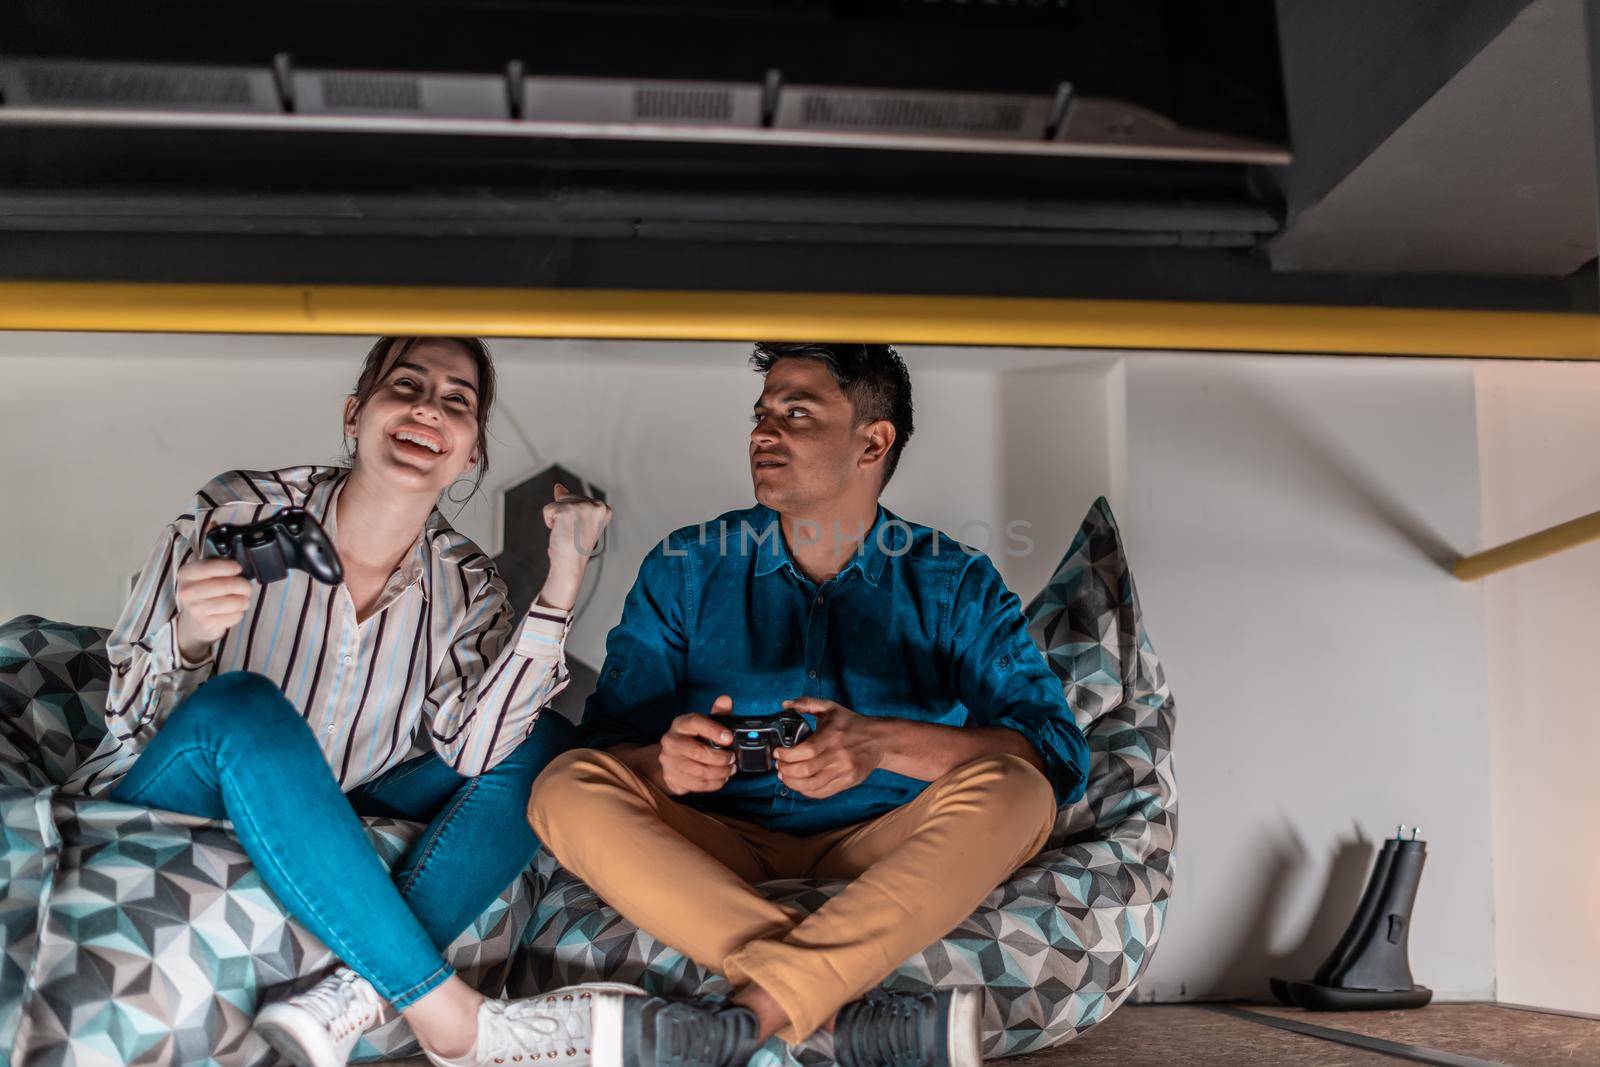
point(412, 689)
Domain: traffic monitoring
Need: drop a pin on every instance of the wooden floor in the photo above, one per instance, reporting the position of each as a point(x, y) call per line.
point(1193, 1034)
point(1182, 1035)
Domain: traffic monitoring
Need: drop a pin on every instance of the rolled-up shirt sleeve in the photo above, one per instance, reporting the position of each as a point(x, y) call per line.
point(641, 682)
point(499, 672)
point(149, 676)
point(1002, 678)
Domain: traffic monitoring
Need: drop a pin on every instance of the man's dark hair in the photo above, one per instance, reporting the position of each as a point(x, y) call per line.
point(872, 377)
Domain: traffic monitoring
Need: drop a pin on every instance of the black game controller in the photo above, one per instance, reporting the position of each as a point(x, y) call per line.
point(267, 549)
point(755, 737)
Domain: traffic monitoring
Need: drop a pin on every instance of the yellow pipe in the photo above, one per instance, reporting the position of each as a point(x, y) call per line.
point(670, 315)
point(1527, 549)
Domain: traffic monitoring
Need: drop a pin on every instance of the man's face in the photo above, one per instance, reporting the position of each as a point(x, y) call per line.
point(804, 452)
point(420, 425)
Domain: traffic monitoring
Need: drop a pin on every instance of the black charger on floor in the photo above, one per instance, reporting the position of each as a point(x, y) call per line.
point(1370, 968)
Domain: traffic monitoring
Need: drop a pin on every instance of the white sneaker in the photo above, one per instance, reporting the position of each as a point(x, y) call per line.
point(320, 1027)
point(555, 1027)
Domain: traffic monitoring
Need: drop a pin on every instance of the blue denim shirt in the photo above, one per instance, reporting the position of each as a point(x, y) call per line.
point(914, 627)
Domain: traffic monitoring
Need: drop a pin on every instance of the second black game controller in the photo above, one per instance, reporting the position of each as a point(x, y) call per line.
point(267, 549)
point(756, 737)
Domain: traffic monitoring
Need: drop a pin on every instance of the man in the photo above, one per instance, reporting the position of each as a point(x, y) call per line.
point(943, 745)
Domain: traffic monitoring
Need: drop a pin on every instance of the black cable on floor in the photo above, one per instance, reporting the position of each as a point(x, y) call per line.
point(1416, 1053)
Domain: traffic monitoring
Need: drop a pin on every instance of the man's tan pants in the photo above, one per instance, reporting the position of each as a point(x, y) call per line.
point(686, 877)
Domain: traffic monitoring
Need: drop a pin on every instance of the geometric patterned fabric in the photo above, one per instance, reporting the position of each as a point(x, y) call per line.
point(135, 936)
point(1059, 946)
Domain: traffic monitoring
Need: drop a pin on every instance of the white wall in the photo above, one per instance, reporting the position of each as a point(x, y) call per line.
point(1061, 445)
point(1329, 676)
point(1539, 436)
point(120, 431)
point(1328, 672)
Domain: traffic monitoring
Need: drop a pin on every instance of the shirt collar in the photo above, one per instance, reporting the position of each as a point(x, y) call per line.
point(882, 539)
point(416, 564)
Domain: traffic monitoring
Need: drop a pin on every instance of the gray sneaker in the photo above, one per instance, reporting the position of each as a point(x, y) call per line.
point(938, 1029)
point(671, 1032)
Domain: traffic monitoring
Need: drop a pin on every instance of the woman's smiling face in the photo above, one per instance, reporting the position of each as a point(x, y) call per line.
point(419, 426)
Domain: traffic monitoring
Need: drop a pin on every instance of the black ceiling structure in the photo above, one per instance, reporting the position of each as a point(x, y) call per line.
point(95, 192)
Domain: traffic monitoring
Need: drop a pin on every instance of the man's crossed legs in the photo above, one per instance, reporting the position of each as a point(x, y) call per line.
point(688, 877)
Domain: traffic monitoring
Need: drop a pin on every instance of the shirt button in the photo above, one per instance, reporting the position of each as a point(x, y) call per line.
point(347, 659)
point(330, 727)
point(820, 598)
point(783, 792)
point(811, 674)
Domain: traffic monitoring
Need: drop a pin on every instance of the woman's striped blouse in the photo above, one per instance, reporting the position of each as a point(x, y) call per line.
point(444, 660)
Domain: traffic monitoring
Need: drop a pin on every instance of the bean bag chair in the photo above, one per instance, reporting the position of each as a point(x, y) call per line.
point(135, 936)
point(1061, 944)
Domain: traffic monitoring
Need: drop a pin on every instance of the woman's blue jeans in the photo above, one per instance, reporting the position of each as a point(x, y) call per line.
point(237, 749)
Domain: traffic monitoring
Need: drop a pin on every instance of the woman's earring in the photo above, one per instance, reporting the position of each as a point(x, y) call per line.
point(448, 492)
